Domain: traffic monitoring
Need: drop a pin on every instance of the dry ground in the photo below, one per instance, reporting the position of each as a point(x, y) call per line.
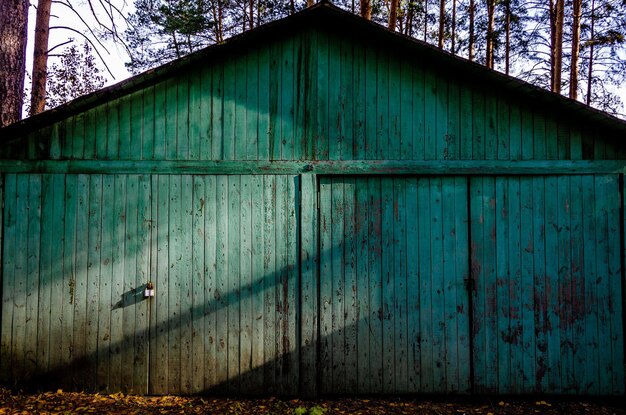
point(61, 402)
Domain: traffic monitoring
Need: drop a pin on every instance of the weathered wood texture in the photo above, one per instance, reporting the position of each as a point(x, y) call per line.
point(318, 95)
point(547, 270)
point(394, 312)
point(319, 212)
point(222, 252)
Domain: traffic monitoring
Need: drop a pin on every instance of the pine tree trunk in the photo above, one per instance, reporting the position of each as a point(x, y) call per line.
point(470, 45)
point(489, 54)
point(442, 21)
point(591, 50)
point(366, 9)
point(556, 44)
point(13, 22)
point(40, 57)
point(507, 51)
point(453, 28)
point(573, 74)
point(393, 15)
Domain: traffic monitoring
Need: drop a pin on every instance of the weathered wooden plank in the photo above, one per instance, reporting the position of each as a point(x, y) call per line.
point(78, 136)
point(338, 291)
point(252, 106)
point(95, 196)
point(503, 284)
point(143, 309)
point(430, 114)
point(186, 285)
point(281, 287)
point(592, 303)
point(452, 151)
point(263, 103)
point(124, 225)
point(287, 100)
point(441, 113)
point(437, 285)
point(347, 100)
point(69, 280)
point(407, 97)
point(148, 124)
point(542, 362)
point(321, 149)
point(102, 317)
point(24, 314)
point(160, 117)
point(578, 300)
point(198, 113)
point(201, 102)
point(362, 218)
point(270, 282)
point(460, 234)
point(234, 283)
point(336, 118)
point(400, 285)
point(371, 99)
point(539, 135)
point(124, 295)
point(552, 280)
point(478, 282)
point(257, 281)
point(171, 118)
point(350, 286)
point(246, 284)
point(376, 341)
point(479, 127)
point(119, 116)
point(200, 340)
point(551, 137)
point(293, 281)
point(41, 261)
point(10, 235)
point(516, 328)
point(182, 118)
point(175, 254)
point(132, 123)
point(466, 122)
point(425, 287)
point(413, 288)
point(515, 132)
point(57, 224)
point(222, 289)
point(491, 126)
point(527, 293)
point(395, 109)
point(309, 289)
point(240, 79)
point(210, 281)
point(450, 282)
point(159, 347)
point(504, 128)
point(217, 112)
point(565, 284)
point(110, 129)
point(616, 281)
point(275, 96)
point(326, 290)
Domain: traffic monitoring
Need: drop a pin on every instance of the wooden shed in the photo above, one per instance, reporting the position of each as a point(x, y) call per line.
point(323, 207)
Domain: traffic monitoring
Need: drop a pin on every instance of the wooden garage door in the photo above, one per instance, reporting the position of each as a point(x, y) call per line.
point(394, 312)
point(225, 266)
point(546, 260)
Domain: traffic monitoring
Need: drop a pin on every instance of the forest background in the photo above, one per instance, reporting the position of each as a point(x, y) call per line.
point(576, 48)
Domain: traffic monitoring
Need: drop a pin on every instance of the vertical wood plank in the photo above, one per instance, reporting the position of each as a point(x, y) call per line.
point(382, 104)
point(211, 293)
point(263, 91)
point(347, 99)
point(287, 100)
point(10, 235)
point(239, 105)
point(362, 217)
point(171, 118)
point(400, 286)
point(387, 281)
point(395, 109)
point(430, 114)
point(217, 112)
point(93, 279)
point(270, 283)
point(252, 105)
point(148, 124)
point(222, 289)
point(199, 303)
point(186, 287)
point(407, 97)
point(175, 280)
point(234, 278)
point(413, 287)
point(258, 278)
point(198, 114)
point(182, 118)
point(160, 117)
point(82, 273)
point(132, 123)
point(124, 221)
point(425, 283)
point(337, 296)
point(246, 283)
point(350, 286)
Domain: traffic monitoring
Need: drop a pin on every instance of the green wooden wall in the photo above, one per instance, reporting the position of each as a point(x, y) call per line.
point(319, 214)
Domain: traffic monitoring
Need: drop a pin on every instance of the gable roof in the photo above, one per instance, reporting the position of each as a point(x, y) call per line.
point(324, 15)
